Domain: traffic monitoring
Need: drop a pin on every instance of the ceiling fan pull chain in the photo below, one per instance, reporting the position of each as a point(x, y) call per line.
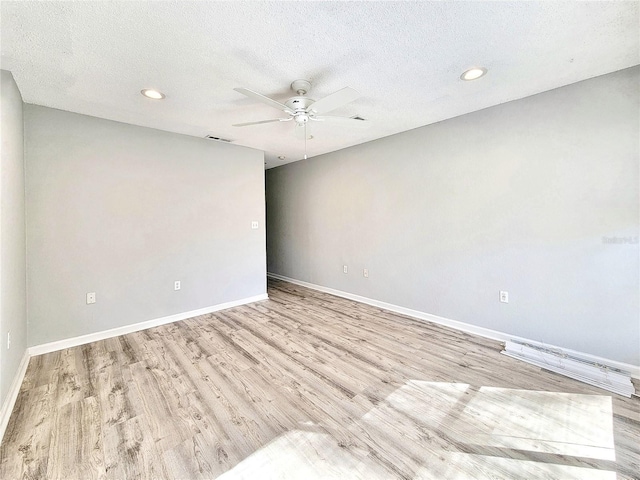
point(305, 140)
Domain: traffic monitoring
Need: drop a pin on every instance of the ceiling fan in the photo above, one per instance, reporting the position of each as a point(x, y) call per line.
point(302, 109)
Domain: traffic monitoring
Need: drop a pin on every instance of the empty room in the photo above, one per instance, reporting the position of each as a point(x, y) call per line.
point(320, 240)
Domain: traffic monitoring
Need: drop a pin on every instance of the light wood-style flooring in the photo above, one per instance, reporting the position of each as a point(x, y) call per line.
point(309, 386)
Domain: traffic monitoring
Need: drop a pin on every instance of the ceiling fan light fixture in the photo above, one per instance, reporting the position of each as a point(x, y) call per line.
point(473, 73)
point(153, 94)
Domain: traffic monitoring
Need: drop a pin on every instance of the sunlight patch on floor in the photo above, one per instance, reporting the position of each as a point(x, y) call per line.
point(452, 431)
point(429, 401)
point(550, 422)
point(303, 455)
point(464, 466)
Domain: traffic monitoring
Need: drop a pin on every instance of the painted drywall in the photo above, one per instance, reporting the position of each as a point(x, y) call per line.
point(537, 197)
point(13, 307)
point(124, 211)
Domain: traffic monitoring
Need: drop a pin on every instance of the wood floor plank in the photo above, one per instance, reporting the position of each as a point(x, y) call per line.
point(309, 385)
point(168, 421)
point(129, 451)
point(76, 449)
point(30, 455)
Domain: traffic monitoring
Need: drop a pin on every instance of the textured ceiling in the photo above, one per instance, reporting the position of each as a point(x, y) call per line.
point(405, 58)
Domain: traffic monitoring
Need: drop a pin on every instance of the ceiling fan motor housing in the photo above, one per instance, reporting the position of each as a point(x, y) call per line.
point(299, 107)
point(298, 103)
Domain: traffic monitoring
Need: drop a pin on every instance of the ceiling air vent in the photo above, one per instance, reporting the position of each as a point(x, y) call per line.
point(218, 139)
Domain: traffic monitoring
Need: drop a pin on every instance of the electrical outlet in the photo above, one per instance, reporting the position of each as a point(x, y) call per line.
point(345, 269)
point(254, 225)
point(91, 298)
point(176, 285)
point(504, 297)
point(365, 273)
point(8, 340)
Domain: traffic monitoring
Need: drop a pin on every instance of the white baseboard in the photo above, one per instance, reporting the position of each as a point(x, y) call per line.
point(115, 332)
point(632, 370)
point(12, 394)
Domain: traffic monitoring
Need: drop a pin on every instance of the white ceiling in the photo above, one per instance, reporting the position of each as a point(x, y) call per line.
point(405, 58)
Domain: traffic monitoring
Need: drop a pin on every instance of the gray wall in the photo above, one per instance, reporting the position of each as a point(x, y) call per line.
point(13, 309)
point(124, 211)
point(518, 197)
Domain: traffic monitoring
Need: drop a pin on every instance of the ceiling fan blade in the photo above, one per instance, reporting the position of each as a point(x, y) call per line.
point(333, 101)
point(263, 99)
point(346, 121)
point(261, 121)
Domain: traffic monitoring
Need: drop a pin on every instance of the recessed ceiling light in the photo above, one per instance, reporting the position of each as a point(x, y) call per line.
point(473, 73)
point(282, 157)
point(154, 94)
